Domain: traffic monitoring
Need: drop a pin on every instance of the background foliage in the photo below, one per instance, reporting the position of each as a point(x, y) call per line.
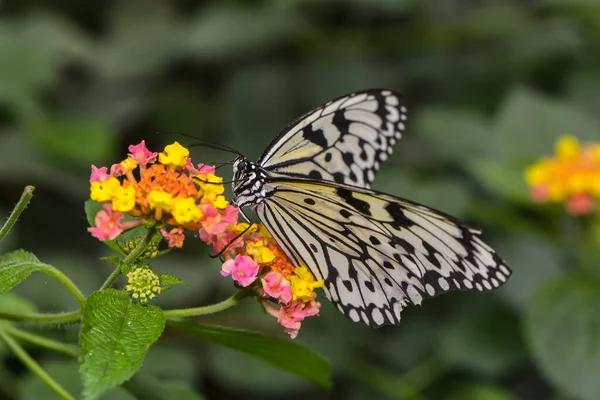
point(490, 87)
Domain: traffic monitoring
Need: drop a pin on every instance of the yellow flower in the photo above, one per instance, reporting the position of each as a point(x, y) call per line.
point(103, 191)
point(185, 210)
point(129, 164)
point(160, 200)
point(567, 148)
point(211, 185)
point(259, 253)
point(176, 155)
point(220, 202)
point(537, 174)
point(123, 198)
point(303, 284)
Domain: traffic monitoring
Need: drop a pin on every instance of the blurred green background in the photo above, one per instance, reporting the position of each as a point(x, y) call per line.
point(490, 87)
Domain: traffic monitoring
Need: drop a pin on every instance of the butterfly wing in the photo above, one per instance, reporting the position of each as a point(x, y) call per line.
point(342, 141)
point(376, 252)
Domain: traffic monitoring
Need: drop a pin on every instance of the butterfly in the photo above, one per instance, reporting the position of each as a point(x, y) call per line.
point(376, 252)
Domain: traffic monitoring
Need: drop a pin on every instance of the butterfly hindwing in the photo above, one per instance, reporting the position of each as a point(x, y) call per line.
point(343, 141)
point(376, 252)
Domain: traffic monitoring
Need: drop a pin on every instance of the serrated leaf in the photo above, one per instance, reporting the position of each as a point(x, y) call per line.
point(562, 326)
point(114, 340)
point(280, 353)
point(168, 280)
point(16, 266)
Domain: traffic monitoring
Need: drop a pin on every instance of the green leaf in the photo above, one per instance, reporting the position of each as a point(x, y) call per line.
point(502, 178)
point(74, 139)
point(115, 336)
point(485, 339)
point(562, 326)
point(144, 386)
point(15, 267)
point(169, 280)
point(529, 125)
point(482, 392)
point(17, 304)
point(280, 353)
point(92, 208)
point(453, 133)
point(64, 371)
point(223, 30)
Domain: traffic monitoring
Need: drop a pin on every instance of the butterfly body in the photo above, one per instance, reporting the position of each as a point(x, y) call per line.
point(376, 252)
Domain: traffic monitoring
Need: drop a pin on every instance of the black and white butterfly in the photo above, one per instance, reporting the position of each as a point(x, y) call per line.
point(376, 252)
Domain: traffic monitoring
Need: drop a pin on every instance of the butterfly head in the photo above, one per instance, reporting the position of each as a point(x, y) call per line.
point(248, 182)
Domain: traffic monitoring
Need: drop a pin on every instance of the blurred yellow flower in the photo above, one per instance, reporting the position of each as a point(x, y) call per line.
point(572, 176)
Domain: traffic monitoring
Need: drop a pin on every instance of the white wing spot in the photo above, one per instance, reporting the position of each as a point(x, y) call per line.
point(501, 277)
point(377, 316)
point(370, 175)
point(353, 314)
point(443, 283)
point(391, 100)
point(403, 109)
point(403, 117)
point(487, 285)
point(495, 282)
point(478, 286)
point(414, 295)
point(401, 126)
point(430, 289)
point(468, 284)
point(364, 317)
point(504, 270)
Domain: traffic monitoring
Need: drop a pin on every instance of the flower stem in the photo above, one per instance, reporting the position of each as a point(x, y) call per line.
point(213, 308)
point(42, 318)
point(34, 366)
point(16, 212)
point(41, 341)
point(65, 280)
point(131, 257)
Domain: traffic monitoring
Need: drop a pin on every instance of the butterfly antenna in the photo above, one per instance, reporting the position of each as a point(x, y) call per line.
point(220, 253)
point(204, 142)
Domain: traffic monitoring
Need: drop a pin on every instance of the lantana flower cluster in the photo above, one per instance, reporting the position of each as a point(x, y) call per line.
point(167, 191)
point(571, 176)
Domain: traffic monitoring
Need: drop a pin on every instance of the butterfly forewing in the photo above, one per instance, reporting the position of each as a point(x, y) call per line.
point(342, 141)
point(376, 252)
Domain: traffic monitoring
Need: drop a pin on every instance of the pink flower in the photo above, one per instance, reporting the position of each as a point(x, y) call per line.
point(108, 224)
point(220, 240)
point(580, 204)
point(175, 236)
point(292, 314)
point(99, 174)
point(214, 220)
point(276, 286)
point(117, 170)
point(242, 269)
point(199, 169)
point(141, 154)
point(539, 193)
